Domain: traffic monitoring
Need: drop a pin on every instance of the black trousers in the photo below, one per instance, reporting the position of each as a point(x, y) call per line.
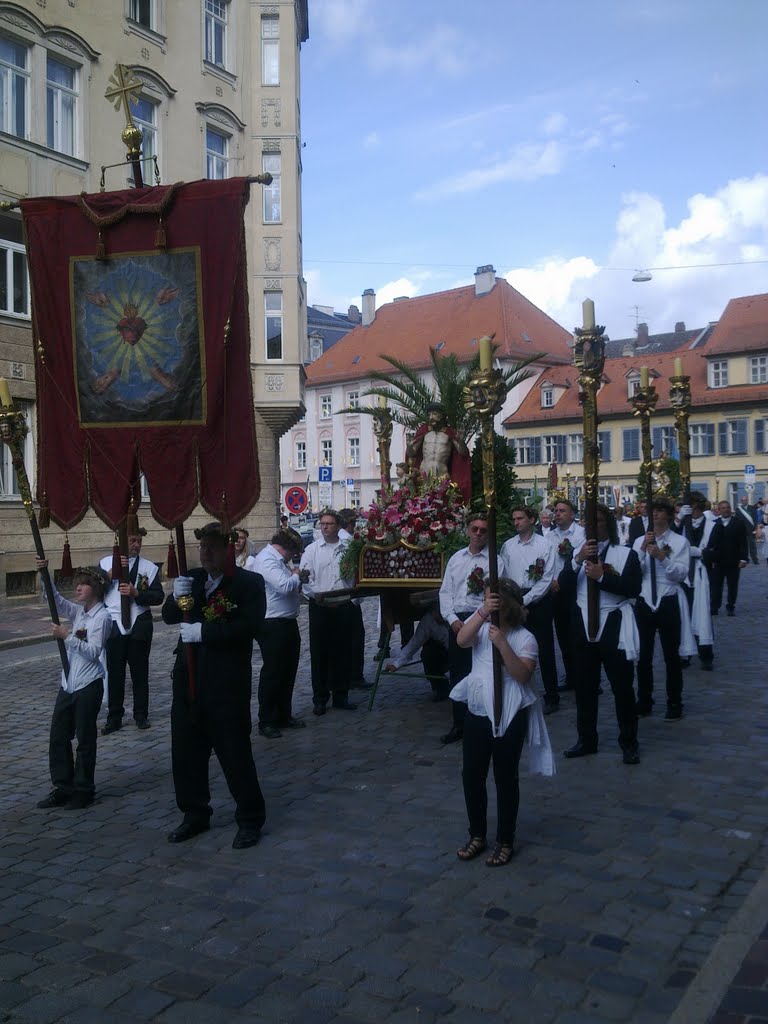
point(434, 659)
point(280, 647)
point(666, 622)
point(357, 653)
point(331, 649)
point(588, 660)
point(74, 715)
point(562, 615)
point(539, 622)
point(132, 651)
point(223, 726)
point(459, 666)
point(481, 748)
point(724, 574)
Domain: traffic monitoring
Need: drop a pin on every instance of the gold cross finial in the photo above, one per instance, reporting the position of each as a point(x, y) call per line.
point(122, 90)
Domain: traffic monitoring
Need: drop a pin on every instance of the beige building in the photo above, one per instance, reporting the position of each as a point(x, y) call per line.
point(220, 97)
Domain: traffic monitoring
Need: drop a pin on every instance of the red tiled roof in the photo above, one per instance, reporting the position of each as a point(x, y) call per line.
point(406, 329)
point(612, 401)
point(743, 327)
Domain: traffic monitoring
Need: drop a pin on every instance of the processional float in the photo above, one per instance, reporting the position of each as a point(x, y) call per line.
point(142, 354)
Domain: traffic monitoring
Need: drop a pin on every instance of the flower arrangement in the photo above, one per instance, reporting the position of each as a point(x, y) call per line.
point(535, 571)
point(476, 581)
point(565, 549)
point(142, 582)
point(218, 607)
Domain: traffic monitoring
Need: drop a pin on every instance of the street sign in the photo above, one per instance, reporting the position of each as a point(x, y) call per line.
point(296, 500)
point(749, 475)
point(326, 494)
point(324, 474)
point(350, 484)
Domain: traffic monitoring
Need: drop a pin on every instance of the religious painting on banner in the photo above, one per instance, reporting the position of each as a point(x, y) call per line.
point(142, 350)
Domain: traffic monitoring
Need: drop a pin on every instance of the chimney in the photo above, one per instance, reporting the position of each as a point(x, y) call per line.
point(485, 279)
point(642, 335)
point(369, 306)
point(353, 315)
point(680, 327)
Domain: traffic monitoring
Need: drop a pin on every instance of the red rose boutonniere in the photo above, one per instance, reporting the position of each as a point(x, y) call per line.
point(565, 549)
point(81, 634)
point(608, 569)
point(142, 582)
point(667, 550)
point(535, 571)
point(476, 581)
point(218, 607)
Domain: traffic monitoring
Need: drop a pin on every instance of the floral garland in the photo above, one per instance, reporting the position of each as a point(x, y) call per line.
point(218, 607)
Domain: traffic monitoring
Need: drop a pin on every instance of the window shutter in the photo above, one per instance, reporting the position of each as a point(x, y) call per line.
point(657, 440)
point(740, 440)
point(631, 444)
point(722, 430)
point(604, 437)
point(759, 435)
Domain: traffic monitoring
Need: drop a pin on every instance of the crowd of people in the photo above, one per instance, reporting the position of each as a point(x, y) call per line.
point(667, 575)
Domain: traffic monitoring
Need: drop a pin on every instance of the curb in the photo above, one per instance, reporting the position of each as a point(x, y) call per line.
point(24, 641)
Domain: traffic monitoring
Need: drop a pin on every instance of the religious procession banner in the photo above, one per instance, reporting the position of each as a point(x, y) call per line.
point(140, 321)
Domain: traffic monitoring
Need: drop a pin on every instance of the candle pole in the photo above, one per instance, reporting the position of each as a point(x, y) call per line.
point(13, 430)
point(644, 402)
point(484, 395)
point(589, 360)
point(680, 400)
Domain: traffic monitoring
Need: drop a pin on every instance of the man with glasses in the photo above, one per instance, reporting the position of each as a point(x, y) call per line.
point(461, 594)
point(332, 621)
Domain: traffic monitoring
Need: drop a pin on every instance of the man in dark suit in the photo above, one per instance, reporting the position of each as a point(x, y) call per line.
point(212, 709)
point(727, 556)
point(617, 571)
point(749, 514)
point(638, 527)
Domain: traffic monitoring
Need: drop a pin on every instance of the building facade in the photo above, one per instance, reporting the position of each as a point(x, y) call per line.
point(220, 97)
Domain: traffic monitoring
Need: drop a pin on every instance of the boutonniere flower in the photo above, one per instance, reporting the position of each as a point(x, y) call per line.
point(666, 549)
point(565, 549)
point(476, 581)
point(218, 607)
point(304, 575)
point(142, 582)
point(608, 569)
point(535, 571)
point(82, 633)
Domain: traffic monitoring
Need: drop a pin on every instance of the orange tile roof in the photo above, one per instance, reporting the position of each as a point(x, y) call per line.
point(612, 401)
point(743, 327)
point(405, 330)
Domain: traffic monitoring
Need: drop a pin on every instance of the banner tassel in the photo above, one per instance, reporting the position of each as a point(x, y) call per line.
point(160, 239)
point(132, 520)
point(101, 252)
point(44, 516)
point(66, 560)
point(171, 565)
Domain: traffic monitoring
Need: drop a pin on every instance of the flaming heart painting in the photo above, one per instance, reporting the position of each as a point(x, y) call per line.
point(137, 327)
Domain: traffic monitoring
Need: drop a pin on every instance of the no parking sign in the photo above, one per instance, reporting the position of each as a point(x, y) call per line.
point(296, 500)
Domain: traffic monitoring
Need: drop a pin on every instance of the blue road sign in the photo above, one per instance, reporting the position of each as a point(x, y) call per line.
point(325, 474)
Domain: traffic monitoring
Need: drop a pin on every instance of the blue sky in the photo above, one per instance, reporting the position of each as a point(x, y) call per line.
point(567, 144)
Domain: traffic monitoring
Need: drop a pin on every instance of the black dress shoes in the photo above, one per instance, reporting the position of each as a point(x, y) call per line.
point(452, 736)
point(344, 705)
point(143, 723)
point(78, 801)
point(674, 712)
point(293, 723)
point(318, 709)
point(564, 686)
point(188, 830)
point(55, 799)
point(270, 731)
point(644, 708)
point(246, 837)
point(111, 725)
point(631, 756)
point(707, 666)
point(580, 749)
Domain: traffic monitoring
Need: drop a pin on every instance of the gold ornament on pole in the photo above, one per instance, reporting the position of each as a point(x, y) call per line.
point(680, 400)
point(644, 402)
point(484, 395)
point(589, 360)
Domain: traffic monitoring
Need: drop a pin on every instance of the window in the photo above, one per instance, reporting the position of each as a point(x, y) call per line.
point(315, 346)
point(575, 448)
point(270, 163)
point(9, 483)
point(144, 488)
point(61, 98)
point(718, 373)
point(145, 117)
point(528, 451)
point(14, 282)
point(301, 455)
point(325, 407)
point(631, 444)
point(142, 12)
point(604, 444)
point(14, 87)
point(664, 439)
point(761, 435)
point(216, 32)
point(702, 438)
point(216, 155)
point(273, 324)
point(733, 437)
point(353, 451)
point(758, 370)
point(554, 447)
point(326, 452)
point(353, 400)
point(547, 398)
point(354, 497)
point(270, 50)
point(633, 385)
point(605, 494)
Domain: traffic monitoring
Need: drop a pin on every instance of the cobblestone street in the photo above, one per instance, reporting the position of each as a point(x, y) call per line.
point(634, 894)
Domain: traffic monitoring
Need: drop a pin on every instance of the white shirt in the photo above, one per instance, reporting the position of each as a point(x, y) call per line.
point(455, 598)
point(84, 655)
point(670, 572)
point(428, 629)
point(622, 525)
point(282, 586)
point(520, 555)
point(322, 560)
point(575, 534)
point(113, 598)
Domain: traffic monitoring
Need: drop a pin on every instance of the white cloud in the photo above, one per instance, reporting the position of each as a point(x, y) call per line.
point(553, 124)
point(339, 21)
point(444, 52)
point(527, 162)
point(371, 140)
point(551, 285)
point(395, 289)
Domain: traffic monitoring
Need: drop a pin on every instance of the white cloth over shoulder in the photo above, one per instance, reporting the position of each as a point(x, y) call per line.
point(476, 691)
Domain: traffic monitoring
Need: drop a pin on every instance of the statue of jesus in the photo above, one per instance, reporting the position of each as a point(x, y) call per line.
point(436, 450)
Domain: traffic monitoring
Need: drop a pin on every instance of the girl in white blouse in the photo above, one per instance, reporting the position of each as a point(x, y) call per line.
point(521, 718)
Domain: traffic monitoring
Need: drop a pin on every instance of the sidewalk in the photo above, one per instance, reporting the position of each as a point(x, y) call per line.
point(637, 894)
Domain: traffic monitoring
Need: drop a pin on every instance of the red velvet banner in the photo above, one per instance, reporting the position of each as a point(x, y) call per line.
point(140, 321)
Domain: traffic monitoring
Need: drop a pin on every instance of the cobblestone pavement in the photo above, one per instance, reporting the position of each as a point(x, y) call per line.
point(635, 893)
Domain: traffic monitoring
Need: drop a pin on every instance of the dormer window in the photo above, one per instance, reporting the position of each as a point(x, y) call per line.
point(315, 346)
point(633, 384)
point(547, 397)
point(718, 373)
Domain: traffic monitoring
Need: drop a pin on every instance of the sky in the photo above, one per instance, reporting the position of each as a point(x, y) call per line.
point(568, 145)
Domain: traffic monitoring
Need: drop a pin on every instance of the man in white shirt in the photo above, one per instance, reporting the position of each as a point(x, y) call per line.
point(692, 524)
point(662, 608)
point(566, 538)
point(461, 594)
point(278, 638)
point(332, 622)
point(431, 639)
point(529, 560)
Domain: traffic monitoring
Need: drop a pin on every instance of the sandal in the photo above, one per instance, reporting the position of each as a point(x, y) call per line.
point(472, 849)
point(502, 854)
